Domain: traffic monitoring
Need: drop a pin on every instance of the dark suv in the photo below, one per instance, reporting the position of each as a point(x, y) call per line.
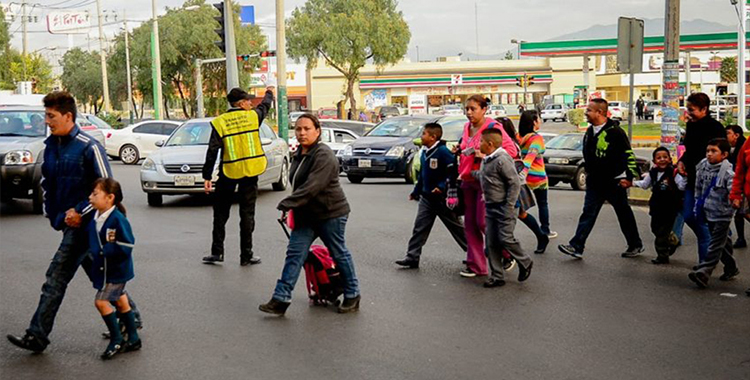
point(22, 134)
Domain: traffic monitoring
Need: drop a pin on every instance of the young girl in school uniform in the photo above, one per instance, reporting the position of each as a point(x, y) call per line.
point(111, 245)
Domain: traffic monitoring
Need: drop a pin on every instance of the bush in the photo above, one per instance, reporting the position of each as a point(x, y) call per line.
point(112, 119)
point(577, 117)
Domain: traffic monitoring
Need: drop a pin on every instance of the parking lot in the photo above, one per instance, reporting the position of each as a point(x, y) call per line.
point(603, 317)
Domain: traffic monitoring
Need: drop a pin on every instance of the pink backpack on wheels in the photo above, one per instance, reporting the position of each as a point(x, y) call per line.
point(323, 280)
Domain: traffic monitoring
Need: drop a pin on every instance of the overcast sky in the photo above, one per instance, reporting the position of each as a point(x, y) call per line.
point(438, 27)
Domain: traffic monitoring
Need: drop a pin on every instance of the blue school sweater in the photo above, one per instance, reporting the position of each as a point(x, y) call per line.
point(437, 163)
point(111, 262)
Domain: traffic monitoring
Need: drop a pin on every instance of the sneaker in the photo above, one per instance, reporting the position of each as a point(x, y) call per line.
point(524, 273)
point(211, 259)
point(494, 283)
point(408, 263)
point(740, 243)
point(729, 275)
point(349, 305)
point(508, 264)
point(570, 251)
point(27, 342)
point(274, 306)
point(249, 261)
point(541, 245)
point(660, 260)
point(633, 252)
point(552, 234)
point(468, 273)
point(699, 279)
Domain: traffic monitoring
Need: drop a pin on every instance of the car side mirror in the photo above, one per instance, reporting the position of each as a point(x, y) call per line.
point(265, 141)
point(159, 143)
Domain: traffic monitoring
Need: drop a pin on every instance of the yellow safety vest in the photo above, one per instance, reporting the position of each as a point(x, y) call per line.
point(243, 154)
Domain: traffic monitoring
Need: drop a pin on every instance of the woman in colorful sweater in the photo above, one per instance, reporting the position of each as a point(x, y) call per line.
point(532, 149)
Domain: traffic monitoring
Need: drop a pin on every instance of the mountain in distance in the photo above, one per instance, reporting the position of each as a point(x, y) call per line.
point(653, 27)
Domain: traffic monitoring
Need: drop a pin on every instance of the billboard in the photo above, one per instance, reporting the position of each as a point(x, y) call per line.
point(68, 22)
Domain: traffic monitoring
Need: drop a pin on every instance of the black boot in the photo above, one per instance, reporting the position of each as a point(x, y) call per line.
point(115, 340)
point(274, 306)
point(212, 259)
point(408, 263)
point(134, 341)
point(349, 305)
point(541, 238)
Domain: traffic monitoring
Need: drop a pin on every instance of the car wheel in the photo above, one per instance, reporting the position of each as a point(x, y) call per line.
point(354, 178)
point(283, 178)
point(38, 199)
point(553, 182)
point(579, 180)
point(129, 154)
point(155, 200)
point(409, 175)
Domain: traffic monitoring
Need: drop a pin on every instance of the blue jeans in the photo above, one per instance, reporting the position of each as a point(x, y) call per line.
point(331, 232)
point(541, 196)
point(700, 229)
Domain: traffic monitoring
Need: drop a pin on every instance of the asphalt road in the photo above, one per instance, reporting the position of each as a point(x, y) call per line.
point(604, 317)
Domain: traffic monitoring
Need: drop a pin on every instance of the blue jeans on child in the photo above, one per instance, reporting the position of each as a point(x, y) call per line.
point(700, 229)
point(331, 232)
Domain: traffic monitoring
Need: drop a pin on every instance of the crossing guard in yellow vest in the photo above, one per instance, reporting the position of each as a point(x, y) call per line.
point(236, 133)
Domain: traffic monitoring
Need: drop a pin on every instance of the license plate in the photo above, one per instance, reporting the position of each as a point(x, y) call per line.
point(184, 180)
point(365, 163)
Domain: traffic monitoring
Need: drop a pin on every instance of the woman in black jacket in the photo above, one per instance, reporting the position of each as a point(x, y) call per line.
point(319, 209)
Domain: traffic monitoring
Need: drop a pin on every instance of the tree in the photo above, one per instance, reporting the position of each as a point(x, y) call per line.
point(509, 56)
point(6, 83)
point(728, 69)
point(82, 76)
point(38, 71)
point(347, 34)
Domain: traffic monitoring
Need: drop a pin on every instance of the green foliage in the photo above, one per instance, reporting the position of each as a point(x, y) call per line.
point(347, 34)
point(82, 76)
point(728, 69)
point(113, 120)
point(4, 33)
point(509, 56)
point(38, 70)
point(576, 117)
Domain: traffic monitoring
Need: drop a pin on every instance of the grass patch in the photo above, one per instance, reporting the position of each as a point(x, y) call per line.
point(649, 129)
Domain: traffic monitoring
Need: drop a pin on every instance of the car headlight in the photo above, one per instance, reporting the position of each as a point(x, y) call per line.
point(148, 164)
point(396, 151)
point(347, 151)
point(559, 161)
point(19, 157)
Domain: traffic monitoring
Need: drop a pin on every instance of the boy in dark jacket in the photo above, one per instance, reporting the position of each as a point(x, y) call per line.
point(610, 167)
point(501, 186)
point(437, 164)
point(665, 203)
point(713, 182)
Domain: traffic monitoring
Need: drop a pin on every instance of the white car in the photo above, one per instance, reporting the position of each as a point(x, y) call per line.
point(293, 116)
point(618, 110)
point(452, 110)
point(137, 141)
point(336, 138)
point(496, 110)
point(555, 112)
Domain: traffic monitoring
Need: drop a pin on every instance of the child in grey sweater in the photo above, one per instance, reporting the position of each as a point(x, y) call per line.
point(713, 183)
point(501, 186)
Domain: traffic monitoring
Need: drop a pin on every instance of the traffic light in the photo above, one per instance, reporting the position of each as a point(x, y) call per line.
point(520, 81)
point(529, 81)
point(221, 32)
point(245, 57)
point(268, 53)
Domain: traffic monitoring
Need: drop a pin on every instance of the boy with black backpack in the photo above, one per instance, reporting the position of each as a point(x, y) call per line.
point(437, 165)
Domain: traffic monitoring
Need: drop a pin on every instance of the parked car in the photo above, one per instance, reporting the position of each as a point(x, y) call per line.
point(21, 154)
point(652, 108)
point(137, 141)
point(94, 130)
point(176, 167)
point(293, 116)
point(358, 127)
point(547, 136)
point(452, 110)
point(618, 110)
point(389, 149)
point(563, 161)
point(328, 113)
point(387, 111)
point(335, 138)
point(554, 112)
point(496, 110)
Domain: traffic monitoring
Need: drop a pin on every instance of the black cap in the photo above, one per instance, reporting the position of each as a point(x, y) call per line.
point(237, 94)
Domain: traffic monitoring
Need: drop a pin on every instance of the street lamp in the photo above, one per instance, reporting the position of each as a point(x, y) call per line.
point(50, 48)
point(518, 42)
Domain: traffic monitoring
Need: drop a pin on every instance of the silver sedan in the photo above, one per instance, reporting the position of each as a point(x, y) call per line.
point(175, 168)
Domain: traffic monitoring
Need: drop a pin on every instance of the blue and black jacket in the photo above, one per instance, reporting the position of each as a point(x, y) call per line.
point(438, 166)
point(71, 165)
point(111, 263)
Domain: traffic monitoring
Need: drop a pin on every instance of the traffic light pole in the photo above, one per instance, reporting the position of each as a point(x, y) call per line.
point(201, 113)
point(231, 50)
point(282, 105)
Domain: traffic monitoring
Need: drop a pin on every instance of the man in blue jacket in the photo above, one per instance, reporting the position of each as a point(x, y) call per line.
point(73, 160)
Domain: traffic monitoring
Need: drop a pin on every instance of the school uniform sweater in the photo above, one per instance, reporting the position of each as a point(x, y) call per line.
point(437, 164)
point(112, 262)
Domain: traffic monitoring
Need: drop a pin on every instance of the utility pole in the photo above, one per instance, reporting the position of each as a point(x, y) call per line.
point(127, 66)
point(281, 100)
point(199, 83)
point(24, 23)
point(103, 59)
point(233, 79)
point(156, 64)
point(671, 76)
point(476, 25)
point(742, 44)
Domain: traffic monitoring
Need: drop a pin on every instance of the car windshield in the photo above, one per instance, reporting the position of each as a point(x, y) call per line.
point(453, 129)
point(101, 124)
point(402, 127)
point(566, 142)
point(554, 107)
point(22, 123)
point(328, 112)
point(194, 133)
point(451, 107)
